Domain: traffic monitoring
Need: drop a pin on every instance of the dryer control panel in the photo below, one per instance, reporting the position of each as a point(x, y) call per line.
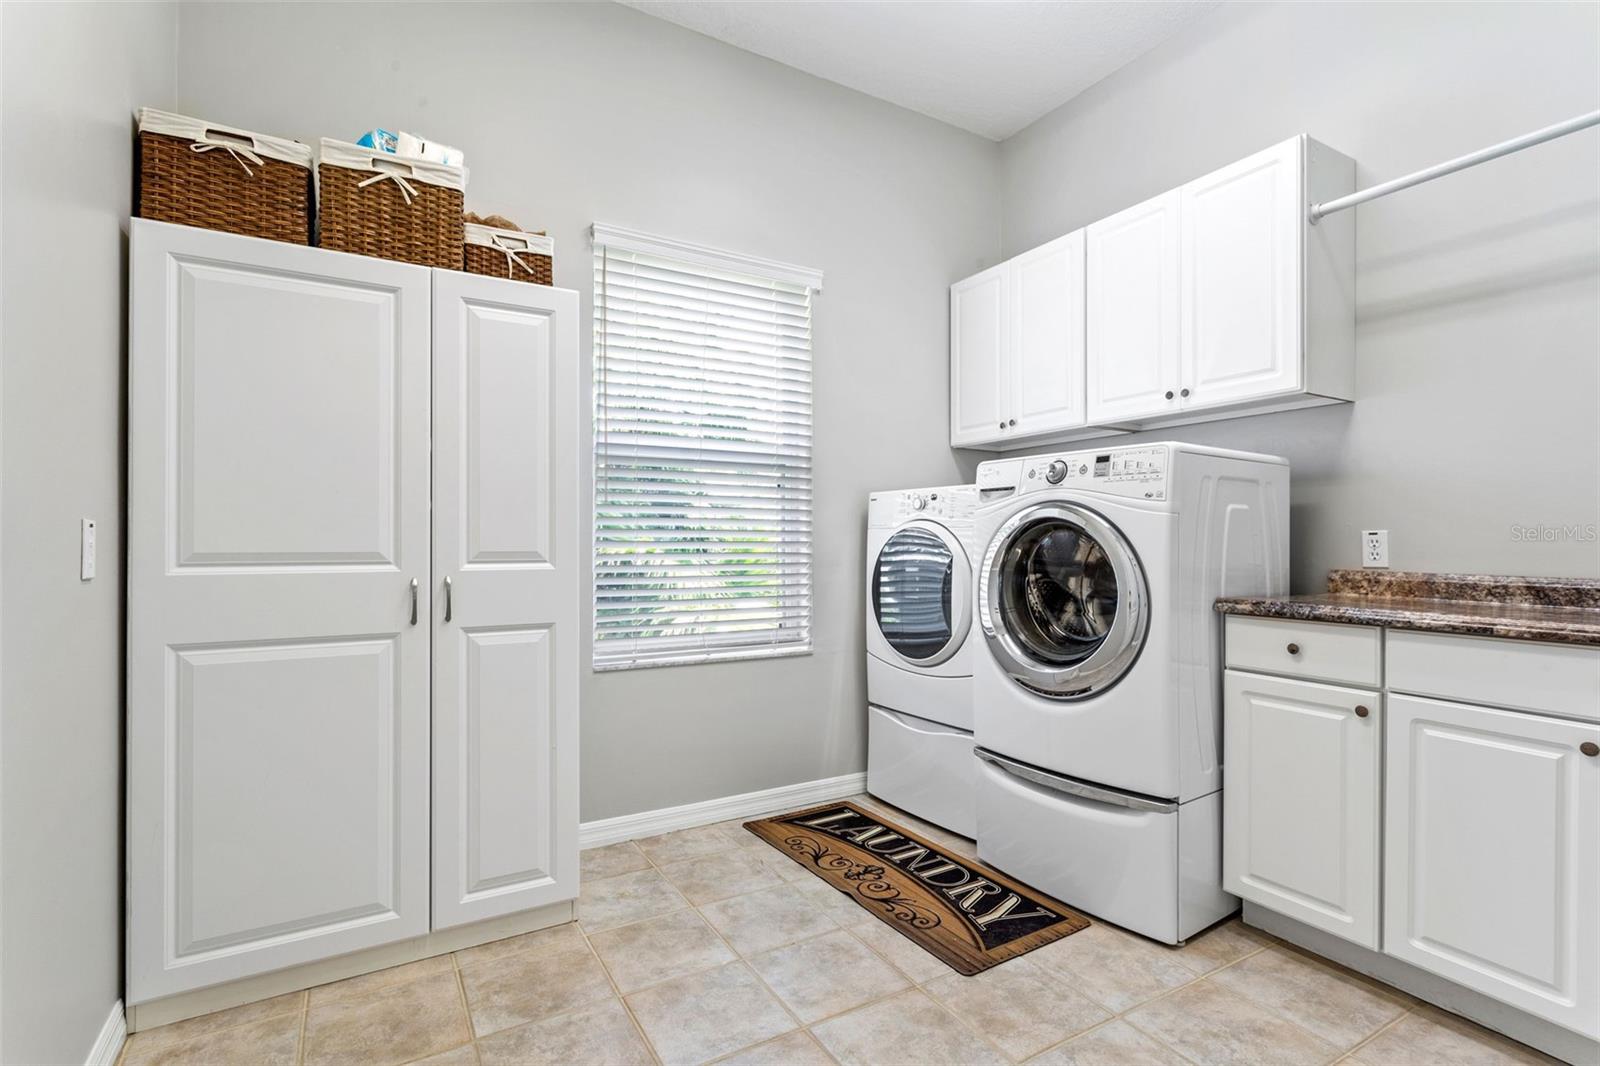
point(947, 504)
point(1138, 471)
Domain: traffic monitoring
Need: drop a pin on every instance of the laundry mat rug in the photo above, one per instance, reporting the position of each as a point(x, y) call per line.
point(970, 918)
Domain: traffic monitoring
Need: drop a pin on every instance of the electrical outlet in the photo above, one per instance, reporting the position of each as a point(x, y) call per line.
point(1375, 547)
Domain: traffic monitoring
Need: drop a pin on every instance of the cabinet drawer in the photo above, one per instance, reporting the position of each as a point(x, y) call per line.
point(1318, 650)
point(1523, 675)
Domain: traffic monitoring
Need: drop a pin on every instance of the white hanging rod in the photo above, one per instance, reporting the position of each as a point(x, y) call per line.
point(1472, 159)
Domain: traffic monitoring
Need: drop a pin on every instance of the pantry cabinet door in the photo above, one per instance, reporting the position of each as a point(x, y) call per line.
point(1492, 854)
point(506, 571)
point(1242, 279)
point(1300, 811)
point(1132, 312)
point(1047, 338)
point(980, 332)
point(277, 659)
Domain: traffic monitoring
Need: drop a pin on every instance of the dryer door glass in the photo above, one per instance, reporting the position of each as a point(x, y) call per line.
point(1058, 592)
point(911, 593)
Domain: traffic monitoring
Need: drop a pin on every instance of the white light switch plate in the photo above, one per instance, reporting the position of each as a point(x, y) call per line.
point(86, 553)
point(1375, 547)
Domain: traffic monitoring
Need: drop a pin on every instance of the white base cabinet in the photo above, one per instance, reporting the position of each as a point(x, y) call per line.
point(1301, 802)
point(330, 750)
point(1492, 827)
point(1490, 872)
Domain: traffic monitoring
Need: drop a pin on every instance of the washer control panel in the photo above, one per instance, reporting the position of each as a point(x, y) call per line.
point(1139, 472)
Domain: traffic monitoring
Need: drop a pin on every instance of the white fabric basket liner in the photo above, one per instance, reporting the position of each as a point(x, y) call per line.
point(513, 240)
point(355, 157)
point(198, 131)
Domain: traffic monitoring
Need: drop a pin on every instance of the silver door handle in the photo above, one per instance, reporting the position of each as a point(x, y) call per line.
point(447, 599)
point(413, 601)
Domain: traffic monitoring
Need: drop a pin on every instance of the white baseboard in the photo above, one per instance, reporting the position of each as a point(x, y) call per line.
point(108, 1045)
point(748, 805)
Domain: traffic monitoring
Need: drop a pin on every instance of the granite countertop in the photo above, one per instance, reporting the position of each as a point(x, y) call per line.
point(1559, 610)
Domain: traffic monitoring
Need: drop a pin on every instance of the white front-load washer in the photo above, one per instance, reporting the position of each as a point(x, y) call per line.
point(919, 653)
point(1098, 691)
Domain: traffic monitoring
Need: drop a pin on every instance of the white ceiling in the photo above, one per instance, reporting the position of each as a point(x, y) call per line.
point(989, 66)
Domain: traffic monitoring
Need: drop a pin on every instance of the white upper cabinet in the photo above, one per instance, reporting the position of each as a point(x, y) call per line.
point(1017, 346)
point(1047, 342)
point(1215, 299)
point(1492, 863)
point(980, 328)
point(1240, 332)
point(1133, 312)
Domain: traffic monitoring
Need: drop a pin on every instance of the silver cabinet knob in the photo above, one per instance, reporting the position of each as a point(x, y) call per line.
point(1169, 394)
point(1183, 392)
point(1013, 421)
point(1002, 425)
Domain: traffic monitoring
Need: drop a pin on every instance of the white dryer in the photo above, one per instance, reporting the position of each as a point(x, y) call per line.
point(919, 653)
point(1098, 692)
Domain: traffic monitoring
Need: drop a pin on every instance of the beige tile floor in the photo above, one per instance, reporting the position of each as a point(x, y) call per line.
point(709, 945)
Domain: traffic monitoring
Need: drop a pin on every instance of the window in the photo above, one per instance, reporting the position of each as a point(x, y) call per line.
point(702, 453)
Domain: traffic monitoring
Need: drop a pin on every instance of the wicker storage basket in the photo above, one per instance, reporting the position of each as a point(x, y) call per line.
point(389, 206)
point(200, 174)
point(509, 253)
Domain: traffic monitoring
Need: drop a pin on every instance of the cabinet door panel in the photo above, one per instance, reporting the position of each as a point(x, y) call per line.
point(1241, 325)
point(1132, 312)
point(1492, 854)
point(980, 330)
point(505, 536)
point(1300, 810)
point(1047, 337)
point(277, 689)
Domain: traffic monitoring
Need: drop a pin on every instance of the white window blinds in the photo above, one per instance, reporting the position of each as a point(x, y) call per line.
point(702, 478)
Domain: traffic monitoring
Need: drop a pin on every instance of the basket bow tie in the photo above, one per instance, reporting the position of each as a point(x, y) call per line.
point(239, 154)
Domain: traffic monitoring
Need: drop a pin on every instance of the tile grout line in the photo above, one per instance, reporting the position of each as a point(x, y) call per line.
point(123, 1054)
point(1384, 1028)
point(616, 990)
point(466, 1008)
point(305, 1021)
point(1225, 990)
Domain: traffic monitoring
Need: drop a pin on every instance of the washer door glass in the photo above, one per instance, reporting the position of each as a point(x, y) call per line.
point(1058, 592)
point(1064, 602)
point(912, 593)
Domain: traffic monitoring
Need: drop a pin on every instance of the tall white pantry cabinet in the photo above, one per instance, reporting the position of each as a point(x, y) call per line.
point(353, 587)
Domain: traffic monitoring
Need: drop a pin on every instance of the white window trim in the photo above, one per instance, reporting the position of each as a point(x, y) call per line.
point(629, 240)
point(740, 647)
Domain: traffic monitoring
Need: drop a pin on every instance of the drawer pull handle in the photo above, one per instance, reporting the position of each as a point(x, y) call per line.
point(1589, 748)
point(1293, 649)
point(1361, 712)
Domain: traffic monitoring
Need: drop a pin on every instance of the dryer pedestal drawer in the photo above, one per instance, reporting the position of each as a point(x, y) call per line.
point(1155, 871)
point(924, 768)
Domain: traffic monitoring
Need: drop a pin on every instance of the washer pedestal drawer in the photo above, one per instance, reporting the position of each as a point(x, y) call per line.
point(922, 767)
point(1155, 872)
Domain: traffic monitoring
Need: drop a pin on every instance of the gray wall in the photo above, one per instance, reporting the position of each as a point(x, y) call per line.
point(72, 76)
point(1478, 295)
point(570, 114)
